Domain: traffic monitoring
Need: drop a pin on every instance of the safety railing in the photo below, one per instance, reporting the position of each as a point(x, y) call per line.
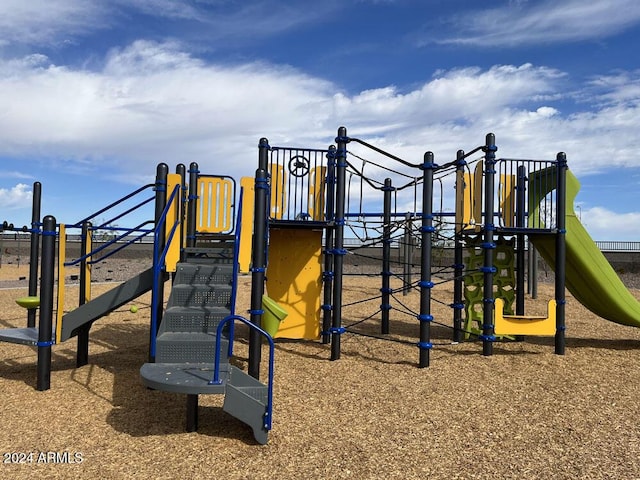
point(536, 180)
point(297, 177)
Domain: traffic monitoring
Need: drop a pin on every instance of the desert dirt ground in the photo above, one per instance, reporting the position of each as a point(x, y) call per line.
point(522, 413)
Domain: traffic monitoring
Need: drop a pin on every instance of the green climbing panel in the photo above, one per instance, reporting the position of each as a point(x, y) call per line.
point(503, 280)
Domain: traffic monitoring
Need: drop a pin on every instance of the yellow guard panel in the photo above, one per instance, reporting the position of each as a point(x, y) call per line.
point(294, 280)
point(525, 325)
point(246, 228)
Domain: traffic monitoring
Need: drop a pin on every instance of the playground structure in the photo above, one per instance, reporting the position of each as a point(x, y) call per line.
point(286, 227)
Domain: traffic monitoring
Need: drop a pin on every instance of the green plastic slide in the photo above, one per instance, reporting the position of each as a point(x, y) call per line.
point(589, 276)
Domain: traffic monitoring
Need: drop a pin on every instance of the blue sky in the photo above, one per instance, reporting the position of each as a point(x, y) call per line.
point(93, 94)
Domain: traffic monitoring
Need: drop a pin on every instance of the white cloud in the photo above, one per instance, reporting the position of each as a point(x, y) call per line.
point(549, 21)
point(605, 224)
point(48, 22)
point(16, 197)
point(152, 102)
point(155, 102)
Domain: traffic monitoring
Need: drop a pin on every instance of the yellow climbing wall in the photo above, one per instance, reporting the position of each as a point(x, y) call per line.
point(294, 279)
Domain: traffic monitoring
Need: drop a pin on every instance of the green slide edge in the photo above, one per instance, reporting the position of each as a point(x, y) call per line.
point(589, 276)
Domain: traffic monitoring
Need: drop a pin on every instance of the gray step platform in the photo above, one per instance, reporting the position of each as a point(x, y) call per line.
point(22, 336)
point(189, 378)
point(210, 255)
point(180, 347)
point(193, 319)
point(245, 397)
point(200, 296)
point(204, 274)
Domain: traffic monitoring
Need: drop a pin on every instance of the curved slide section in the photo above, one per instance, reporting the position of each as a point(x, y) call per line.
point(589, 276)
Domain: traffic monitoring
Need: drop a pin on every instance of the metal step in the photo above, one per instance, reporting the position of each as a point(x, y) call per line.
point(193, 319)
point(22, 336)
point(203, 274)
point(200, 296)
point(246, 399)
point(188, 347)
point(216, 255)
point(189, 378)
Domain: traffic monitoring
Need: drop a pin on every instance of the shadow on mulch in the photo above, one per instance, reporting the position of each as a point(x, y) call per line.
point(137, 410)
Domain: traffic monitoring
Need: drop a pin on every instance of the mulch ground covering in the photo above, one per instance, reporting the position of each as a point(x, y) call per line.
point(522, 413)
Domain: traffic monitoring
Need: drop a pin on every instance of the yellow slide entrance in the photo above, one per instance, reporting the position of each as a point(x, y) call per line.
point(294, 279)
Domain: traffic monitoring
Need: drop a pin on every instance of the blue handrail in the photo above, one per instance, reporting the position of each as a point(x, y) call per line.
point(117, 202)
point(236, 267)
point(127, 232)
point(159, 258)
point(216, 370)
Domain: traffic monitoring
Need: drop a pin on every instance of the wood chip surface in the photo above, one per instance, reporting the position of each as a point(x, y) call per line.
point(523, 413)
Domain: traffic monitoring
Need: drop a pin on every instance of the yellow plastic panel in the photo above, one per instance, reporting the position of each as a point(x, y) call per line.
point(316, 193)
point(525, 325)
point(278, 191)
point(469, 198)
point(173, 251)
point(246, 228)
point(87, 270)
point(507, 199)
point(215, 199)
point(294, 280)
point(476, 194)
point(62, 250)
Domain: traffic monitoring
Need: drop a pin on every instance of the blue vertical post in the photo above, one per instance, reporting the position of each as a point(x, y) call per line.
point(561, 251)
point(488, 245)
point(407, 254)
point(327, 275)
point(34, 250)
point(458, 265)
point(426, 230)
point(385, 290)
point(45, 325)
point(258, 255)
point(338, 251)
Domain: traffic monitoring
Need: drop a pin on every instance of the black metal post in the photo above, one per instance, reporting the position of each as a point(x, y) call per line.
point(258, 256)
point(192, 413)
point(424, 317)
point(192, 208)
point(157, 300)
point(34, 250)
point(561, 251)
point(182, 171)
point(532, 287)
point(82, 349)
point(458, 265)
point(488, 245)
point(338, 251)
point(385, 290)
point(327, 275)
point(45, 326)
point(520, 237)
